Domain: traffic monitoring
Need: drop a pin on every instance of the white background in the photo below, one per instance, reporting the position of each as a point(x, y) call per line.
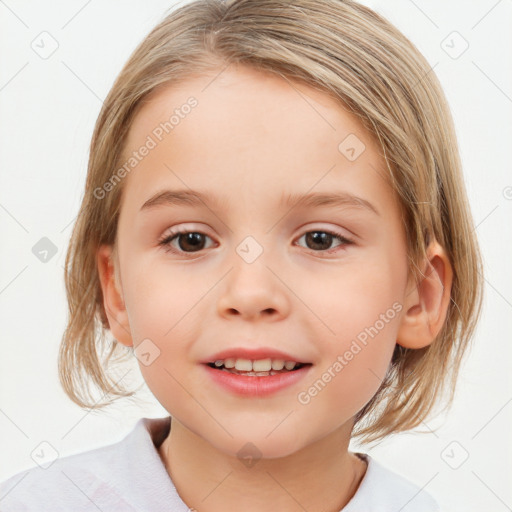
point(48, 109)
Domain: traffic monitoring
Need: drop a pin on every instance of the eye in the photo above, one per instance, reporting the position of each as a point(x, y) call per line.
point(186, 241)
point(321, 240)
point(183, 241)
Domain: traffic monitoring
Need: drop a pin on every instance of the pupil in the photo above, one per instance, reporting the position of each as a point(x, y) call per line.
point(193, 239)
point(319, 239)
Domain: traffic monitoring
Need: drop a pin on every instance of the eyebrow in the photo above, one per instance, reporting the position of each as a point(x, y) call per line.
point(196, 198)
point(329, 199)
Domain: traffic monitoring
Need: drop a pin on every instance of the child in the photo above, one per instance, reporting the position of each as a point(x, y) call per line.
point(265, 129)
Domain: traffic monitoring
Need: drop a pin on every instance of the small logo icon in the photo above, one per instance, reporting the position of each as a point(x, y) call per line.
point(249, 249)
point(44, 454)
point(45, 45)
point(351, 147)
point(44, 250)
point(455, 455)
point(146, 352)
point(249, 455)
point(507, 193)
point(454, 45)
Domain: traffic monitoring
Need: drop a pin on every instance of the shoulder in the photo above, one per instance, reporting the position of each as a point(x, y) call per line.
point(103, 478)
point(71, 482)
point(383, 490)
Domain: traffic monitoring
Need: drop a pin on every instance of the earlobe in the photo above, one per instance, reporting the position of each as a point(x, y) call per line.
point(113, 301)
point(426, 303)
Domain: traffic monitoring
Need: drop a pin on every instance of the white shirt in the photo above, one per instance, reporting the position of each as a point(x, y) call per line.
point(129, 476)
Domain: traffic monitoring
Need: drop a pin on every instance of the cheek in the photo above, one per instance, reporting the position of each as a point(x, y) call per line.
point(352, 369)
point(360, 312)
point(351, 298)
point(160, 307)
point(161, 301)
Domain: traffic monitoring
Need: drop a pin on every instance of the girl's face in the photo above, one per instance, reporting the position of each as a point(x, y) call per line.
point(260, 269)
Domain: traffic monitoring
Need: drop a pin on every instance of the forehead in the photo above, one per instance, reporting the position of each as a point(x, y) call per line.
point(249, 132)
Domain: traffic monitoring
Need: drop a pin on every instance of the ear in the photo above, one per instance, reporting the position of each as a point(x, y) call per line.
point(426, 303)
point(113, 300)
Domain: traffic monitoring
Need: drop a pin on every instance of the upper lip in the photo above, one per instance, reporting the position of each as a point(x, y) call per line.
point(252, 354)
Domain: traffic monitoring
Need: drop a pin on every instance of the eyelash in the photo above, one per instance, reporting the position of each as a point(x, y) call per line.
point(166, 242)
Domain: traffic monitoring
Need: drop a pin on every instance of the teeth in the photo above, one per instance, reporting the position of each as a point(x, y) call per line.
point(243, 365)
point(277, 364)
point(260, 365)
point(252, 374)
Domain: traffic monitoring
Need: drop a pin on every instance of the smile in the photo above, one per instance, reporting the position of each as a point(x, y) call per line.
point(260, 367)
point(256, 378)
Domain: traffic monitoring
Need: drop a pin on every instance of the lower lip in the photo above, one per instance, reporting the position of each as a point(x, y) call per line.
point(256, 386)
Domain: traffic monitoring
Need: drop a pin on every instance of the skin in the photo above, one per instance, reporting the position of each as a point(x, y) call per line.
point(252, 138)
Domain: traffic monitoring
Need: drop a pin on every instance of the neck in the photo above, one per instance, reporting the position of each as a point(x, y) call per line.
point(322, 476)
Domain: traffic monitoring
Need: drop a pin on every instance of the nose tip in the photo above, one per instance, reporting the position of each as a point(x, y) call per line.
point(252, 299)
point(253, 290)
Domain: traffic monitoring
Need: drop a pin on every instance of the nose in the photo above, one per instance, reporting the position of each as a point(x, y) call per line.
point(253, 291)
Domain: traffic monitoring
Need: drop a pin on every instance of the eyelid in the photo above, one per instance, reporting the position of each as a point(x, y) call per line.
point(185, 228)
point(182, 229)
point(326, 227)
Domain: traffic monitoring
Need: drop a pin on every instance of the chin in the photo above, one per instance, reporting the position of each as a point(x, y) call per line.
point(249, 449)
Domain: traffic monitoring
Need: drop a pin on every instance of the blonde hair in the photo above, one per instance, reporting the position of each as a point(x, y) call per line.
point(356, 56)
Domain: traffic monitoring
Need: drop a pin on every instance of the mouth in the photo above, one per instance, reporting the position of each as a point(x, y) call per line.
point(256, 368)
